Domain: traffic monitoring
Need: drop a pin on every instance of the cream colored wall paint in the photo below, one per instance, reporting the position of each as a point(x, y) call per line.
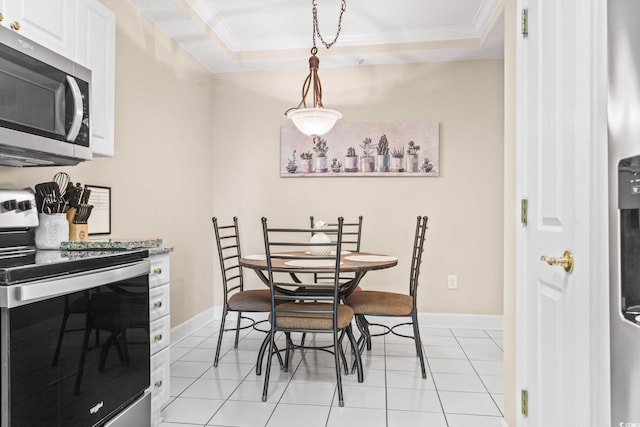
point(464, 204)
point(161, 174)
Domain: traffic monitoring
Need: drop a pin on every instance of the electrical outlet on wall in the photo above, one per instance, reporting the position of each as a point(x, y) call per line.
point(452, 281)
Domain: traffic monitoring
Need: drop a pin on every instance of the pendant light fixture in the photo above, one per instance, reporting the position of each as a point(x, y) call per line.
point(316, 120)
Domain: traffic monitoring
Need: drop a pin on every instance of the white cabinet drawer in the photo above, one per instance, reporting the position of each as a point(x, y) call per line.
point(159, 272)
point(160, 330)
point(160, 386)
point(159, 302)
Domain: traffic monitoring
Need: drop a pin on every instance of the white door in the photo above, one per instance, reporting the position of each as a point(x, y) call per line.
point(557, 138)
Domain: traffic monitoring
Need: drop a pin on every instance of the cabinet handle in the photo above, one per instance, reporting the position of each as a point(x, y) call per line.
point(1, 16)
point(158, 337)
point(158, 384)
point(15, 25)
point(157, 270)
point(157, 304)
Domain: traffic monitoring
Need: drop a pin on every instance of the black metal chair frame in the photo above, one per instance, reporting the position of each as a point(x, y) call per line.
point(229, 255)
point(362, 322)
point(290, 295)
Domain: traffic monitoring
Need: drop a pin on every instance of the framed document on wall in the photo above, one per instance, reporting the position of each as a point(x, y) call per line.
point(100, 218)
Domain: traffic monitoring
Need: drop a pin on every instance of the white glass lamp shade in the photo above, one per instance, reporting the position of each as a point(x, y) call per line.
point(314, 121)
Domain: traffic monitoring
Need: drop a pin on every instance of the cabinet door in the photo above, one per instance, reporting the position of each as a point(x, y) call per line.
point(96, 50)
point(50, 23)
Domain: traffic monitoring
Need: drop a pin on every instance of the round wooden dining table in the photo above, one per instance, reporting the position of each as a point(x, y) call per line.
point(358, 263)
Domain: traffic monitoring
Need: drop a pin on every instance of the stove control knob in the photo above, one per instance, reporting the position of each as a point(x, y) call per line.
point(10, 205)
point(24, 205)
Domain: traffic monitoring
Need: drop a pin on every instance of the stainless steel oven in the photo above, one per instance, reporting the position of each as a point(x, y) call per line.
point(74, 332)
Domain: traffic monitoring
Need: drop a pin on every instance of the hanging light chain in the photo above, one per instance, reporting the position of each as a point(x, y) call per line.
point(316, 27)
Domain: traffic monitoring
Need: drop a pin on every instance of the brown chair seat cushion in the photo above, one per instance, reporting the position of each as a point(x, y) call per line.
point(310, 321)
point(380, 303)
point(251, 300)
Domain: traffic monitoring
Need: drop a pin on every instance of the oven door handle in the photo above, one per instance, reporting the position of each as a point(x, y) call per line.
point(35, 291)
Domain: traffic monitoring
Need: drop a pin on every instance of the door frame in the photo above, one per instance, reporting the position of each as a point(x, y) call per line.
point(592, 25)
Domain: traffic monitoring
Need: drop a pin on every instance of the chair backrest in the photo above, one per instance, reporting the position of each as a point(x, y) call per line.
point(351, 233)
point(288, 247)
point(416, 258)
point(229, 253)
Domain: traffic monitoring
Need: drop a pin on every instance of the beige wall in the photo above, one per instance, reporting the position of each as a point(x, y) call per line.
point(464, 204)
point(161, 174)
point(190, 145)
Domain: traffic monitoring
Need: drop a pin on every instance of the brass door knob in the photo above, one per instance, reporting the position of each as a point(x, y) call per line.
point(15, 25)
point(157, 270)
point(158, 337)
point(158, 384)
point(157, 304)
point(1, 16)
point(566, 261)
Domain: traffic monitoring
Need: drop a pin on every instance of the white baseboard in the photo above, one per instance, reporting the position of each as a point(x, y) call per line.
point(435, 320)
point(456, 320)
point(196, 322)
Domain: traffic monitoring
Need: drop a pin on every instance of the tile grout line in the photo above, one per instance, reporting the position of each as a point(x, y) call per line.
point(478, 375)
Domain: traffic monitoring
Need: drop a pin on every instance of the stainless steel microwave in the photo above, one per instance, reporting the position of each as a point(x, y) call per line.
point(44, 105)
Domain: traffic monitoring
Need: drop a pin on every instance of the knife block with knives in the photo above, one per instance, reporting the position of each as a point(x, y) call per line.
point(78, 216)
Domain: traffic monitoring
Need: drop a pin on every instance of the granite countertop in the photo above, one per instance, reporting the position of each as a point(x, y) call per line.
point(154, 246)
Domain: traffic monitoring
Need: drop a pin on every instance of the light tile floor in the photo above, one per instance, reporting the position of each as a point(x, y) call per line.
point(464, 385)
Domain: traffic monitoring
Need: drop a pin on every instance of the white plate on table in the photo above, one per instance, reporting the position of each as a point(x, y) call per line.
point(311, 263)
point(333, 253)
point(371, 258)
point(256, 257)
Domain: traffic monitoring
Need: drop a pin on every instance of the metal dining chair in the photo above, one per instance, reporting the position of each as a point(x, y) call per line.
point(236, 298)
point(392, 304)
point(299, 306)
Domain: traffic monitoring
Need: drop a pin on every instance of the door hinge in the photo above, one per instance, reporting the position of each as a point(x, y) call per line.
point(524, 211)
point(525, 402)
point(525, 22)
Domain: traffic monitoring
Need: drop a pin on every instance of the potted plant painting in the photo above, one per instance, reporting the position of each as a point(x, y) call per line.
point(367, 161)
point(427, 166)
point(412, 157)
point(321, 149)
point(336, 165)
point(351, 160)
point(383, 154)
point(306, 162)
point(292, 166)
point(397, 160)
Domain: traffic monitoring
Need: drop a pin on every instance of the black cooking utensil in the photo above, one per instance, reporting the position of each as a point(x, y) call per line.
point(48, 198)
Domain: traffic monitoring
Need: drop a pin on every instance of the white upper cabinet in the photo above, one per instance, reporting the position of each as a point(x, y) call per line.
point(50, 23)
point(96, 50)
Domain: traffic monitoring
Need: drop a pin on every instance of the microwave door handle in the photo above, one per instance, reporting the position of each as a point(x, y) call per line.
point(77, 107)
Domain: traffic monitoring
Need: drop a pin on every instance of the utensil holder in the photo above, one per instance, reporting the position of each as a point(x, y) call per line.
point(53, 230)
point(77, 232)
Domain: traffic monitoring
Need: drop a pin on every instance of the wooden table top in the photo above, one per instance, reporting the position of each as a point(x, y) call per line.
point(349, 261)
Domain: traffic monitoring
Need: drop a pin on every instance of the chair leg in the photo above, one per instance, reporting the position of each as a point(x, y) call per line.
point(343, 356)
point(418, 342)
point(336, 353)
point(265, 389)
point(365, 324)
point(222, 321)
point(356, 353)
point(235, 344)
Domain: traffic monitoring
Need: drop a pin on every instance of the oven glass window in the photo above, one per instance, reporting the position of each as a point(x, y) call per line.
point(77, 359)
